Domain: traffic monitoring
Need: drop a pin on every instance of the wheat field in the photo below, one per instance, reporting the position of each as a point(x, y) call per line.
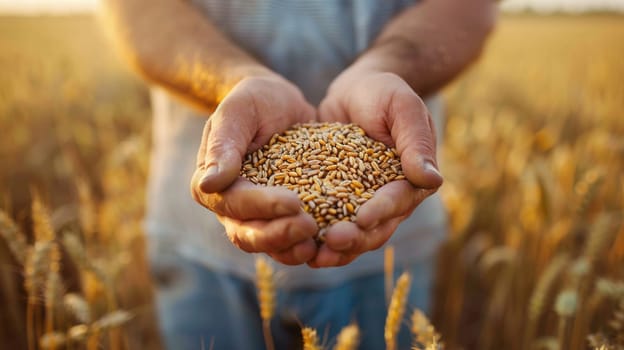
point(533, 159)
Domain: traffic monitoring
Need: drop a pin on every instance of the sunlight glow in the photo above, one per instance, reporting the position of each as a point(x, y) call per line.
point(63, 6)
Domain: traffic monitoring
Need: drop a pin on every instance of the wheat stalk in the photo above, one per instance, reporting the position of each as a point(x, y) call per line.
point(396, 310)
point(266, 298)
point(388, 272)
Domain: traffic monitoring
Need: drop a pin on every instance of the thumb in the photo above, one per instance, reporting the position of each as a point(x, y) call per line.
point(225, 140)
point(413, 131)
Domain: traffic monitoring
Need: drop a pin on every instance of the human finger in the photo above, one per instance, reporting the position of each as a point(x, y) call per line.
point(413, 133)
point(394, 199)
point(227, 136)
point(244, 200)
point(344, 243)
point(269, 236)
point(299, 253)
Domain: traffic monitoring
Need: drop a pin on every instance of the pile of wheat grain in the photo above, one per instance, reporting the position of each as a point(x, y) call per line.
point(333, 167)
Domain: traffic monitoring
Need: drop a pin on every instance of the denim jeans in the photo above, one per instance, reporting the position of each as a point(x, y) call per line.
point(202, 309)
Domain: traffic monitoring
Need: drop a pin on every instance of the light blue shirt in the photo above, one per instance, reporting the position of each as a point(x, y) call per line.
point(309, 42)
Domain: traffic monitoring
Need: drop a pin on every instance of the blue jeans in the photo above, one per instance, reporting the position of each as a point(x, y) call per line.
point(198, 306)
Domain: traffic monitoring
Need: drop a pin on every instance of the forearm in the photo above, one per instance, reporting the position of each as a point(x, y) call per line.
point(431, 42)
point(173, 45)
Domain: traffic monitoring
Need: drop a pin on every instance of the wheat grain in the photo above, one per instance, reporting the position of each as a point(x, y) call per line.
point(325, 163)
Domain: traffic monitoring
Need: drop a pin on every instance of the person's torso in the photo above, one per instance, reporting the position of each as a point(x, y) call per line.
point(309, 42)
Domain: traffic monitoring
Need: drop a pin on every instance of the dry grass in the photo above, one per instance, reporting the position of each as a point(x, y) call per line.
point(533, 160)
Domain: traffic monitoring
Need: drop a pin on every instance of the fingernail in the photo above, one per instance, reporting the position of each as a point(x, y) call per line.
point(210, 172)
point(432, 170)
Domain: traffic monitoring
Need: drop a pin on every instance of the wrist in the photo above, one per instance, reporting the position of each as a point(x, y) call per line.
point(244, 71)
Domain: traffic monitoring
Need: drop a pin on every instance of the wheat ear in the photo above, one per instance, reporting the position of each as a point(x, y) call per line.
point(87, 208)
point(540, 294)
point(42, 224)
point(266, 298)
point(424, 333)
point(14, 237)
point(34, 277)
point(599, 241)
point(53, 288)
point(52, 340)
point(396, 310)
point(565, 306)
point(310, 339)
point(78, 307)
point(348, 338)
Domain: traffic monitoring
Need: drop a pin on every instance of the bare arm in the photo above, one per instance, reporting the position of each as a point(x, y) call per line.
point(432, 42)
point(173, 45)
point(418, 52)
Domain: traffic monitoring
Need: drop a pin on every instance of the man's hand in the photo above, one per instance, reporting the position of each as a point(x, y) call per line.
point(387, 108)
point(256, 219)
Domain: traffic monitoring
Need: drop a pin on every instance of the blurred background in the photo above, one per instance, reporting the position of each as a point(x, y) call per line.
point(533, 161)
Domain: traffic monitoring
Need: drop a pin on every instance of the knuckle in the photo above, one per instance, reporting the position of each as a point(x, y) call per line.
point(285, 258)
point(239, 243)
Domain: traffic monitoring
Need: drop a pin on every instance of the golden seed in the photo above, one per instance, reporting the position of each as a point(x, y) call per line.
point(334, 168)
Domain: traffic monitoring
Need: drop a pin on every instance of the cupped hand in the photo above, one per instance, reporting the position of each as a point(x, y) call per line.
point(387, 108)
point(256, 218)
